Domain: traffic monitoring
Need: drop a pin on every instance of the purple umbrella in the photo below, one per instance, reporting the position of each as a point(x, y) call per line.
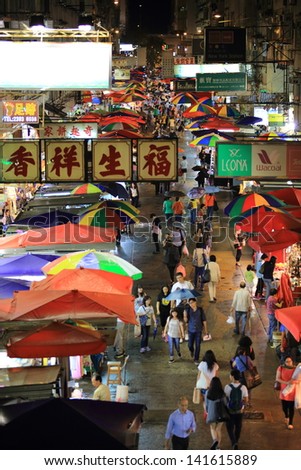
point(24, 265)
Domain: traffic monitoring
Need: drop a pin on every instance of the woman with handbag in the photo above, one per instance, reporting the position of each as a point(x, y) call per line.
point(216, 407)
point(146, 314)
point(207, 369)
point(215, 277)
point(199, 261)
point(242, 362)
point(287, 393)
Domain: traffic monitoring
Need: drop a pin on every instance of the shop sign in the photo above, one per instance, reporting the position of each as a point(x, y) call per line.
point(64, 161)
point(184, 60)
point(185, 85)
point(225, 45)
point(221, 81)
point(20, 111)
point(276, 119)
point(268, 160)
point(20, 161)
point(293, 160)
point(157, 160)
point(234, 160)
point(112, 160)
point(70, 130)
point(122, 74)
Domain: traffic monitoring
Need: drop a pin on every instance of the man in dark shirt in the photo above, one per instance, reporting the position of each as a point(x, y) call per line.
point(195, 318)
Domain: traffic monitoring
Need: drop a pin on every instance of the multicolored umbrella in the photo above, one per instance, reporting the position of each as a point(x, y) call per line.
point(208, 140)
point(116, 126)
point(125, 206)
point(202, 108)
point(87, 188)
point(94, 260)
point(245, 202)
point(121, 134)
point(195, 193)
point(228, 111)
point(132, 97)
point(270, 136)
point(184, 98)
point(107, 218)
point(204, 132)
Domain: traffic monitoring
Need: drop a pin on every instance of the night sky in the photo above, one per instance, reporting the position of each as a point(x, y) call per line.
point(154, 16)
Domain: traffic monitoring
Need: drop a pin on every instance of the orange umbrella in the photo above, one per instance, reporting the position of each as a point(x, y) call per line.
point(219, 124)
point(290, 317)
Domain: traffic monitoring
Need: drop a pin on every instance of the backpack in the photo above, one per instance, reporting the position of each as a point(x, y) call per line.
point(235, 400)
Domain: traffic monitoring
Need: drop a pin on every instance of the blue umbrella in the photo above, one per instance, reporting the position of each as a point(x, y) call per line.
point(180, 294)
point(195, 193)
point(9, 286)
point(211, 189)
point(24, 265)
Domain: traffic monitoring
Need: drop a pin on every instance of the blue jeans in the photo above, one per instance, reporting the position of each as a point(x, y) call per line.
point(268, 286)
point(193, 216)
point(194, 344)
point(243, 317)
point(272, 326)
point(145, 336)
point(198, 272)
point(173, 342)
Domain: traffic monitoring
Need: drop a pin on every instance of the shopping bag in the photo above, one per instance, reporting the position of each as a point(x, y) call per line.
point(206, 276)
point(196, 397)
point(230, 320)
point(207, 337)
point(277, 385)
point(185, 251)
point(252, 378)
point(137, 331)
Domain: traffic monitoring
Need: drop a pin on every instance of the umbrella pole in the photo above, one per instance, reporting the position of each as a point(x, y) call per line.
point(65, 368)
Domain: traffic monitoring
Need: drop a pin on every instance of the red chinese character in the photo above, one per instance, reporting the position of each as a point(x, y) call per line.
point(67, 159)
point(111, 163)
point(75, 132)
point(157, 161)
point(48, 131)
point(20, 160)
point(61, 131)
point(88, 130)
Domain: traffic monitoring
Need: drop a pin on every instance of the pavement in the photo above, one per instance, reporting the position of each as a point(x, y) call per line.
point(158, 384)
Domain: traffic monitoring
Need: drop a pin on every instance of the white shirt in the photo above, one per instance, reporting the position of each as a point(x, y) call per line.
point(242, 300)
point(181, 285)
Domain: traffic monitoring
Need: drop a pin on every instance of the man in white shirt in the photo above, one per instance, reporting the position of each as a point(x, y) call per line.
point(181, 283)
point(241, 305)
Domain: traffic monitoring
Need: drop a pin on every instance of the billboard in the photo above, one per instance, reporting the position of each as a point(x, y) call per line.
point(225, 45)
point(55, 66)
point(20, 111)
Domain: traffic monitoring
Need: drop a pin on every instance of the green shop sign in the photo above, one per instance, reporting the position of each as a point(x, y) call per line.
point(234, 159)
point(221, 81)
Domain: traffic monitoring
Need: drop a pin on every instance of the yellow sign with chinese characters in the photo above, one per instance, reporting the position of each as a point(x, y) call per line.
point(64, 160)
point(157, 160)
point(20, 111)
point(112, 160)
point(20, 161)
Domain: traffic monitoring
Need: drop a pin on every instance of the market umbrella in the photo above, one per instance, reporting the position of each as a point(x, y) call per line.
point(227, 111)
point(47, 219)
point(87, 188)
point(56, 340)
point(115, 126)
point(248, 120)
point(274, 241)
point(93, 260)
point(116, 189)
point(184, 98)
point(208, 140)
point(108, 217)
point(25, 266)
point(201, 108)
point(132, 97)
point(195, 193)
point(290, 317)
point(174, 193)
point(123, 112)
point(245, 202)
point(121, 134)
point(125, 206)
point(211, 189)
point(204, 132)
point(180, 294)
point(9, 286)
point(219, 124)
point(266, 222)
point(270, 136)
point(288, 195)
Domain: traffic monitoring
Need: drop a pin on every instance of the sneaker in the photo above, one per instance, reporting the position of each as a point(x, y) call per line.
point(171, 360)
point(181, 340)
point(119, 355)
point(196, 363)
point(142, 350)
point(290, 426)
point(147, 349)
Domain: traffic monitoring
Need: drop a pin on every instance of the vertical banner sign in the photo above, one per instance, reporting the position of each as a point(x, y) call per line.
point(64, 161)
point(112, 160)
point(20, 161)
point(293, 160)
point(157, 160)
point(234, 160)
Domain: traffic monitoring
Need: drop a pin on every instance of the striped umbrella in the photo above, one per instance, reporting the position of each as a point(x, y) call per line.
point(117, 126)
point(270, 136)
point(246, 202)
point(125, 206)
point(87, 188)
point(184, 98)
point(202, 108)
point(107, 218)
point(228, 111)
point(208, 140)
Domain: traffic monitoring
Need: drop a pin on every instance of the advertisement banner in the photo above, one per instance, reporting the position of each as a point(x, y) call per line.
point(20, 161)
point(70, 130)
point(112, 160)
point(221, 81)
point(184, 85)
point(234, 160)
point(20, 111)
point(64, 161)
point(225, 44)
point(268, 160)
point(293, 160)
point(157, 160)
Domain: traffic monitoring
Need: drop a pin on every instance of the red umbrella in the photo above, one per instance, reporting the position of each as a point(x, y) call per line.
point(56, 340)
point(290, 317)
point(266, 222)
point(219, 124)
point(274, 241)
point(289, 195)
point(121, 134)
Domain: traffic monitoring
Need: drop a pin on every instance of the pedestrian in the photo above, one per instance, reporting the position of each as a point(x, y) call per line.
point(193, 207)
point(287, 393)
point(237, 397)
point(146, 314)
point(214, 399)
point(181, 283)
point(245, 343)
point(241, 305)
point(195, 318)
point(199, 261)
point(178, 236)
point(238, 240)
point(258, 260)
point(163, 305)
point(167, 209)
point(249, 276)
point(242, 362)
point(102, 391)
point(209, 201)
point(119, 339)
point(183, 167)
point(181, 423)
point(268, 274)
point(174, 331)
point(134, 194)
point(271, 305)
point(156, 232)
point(207, 369)
point(178, 209)
point(171, 256)
point(138, 301)
point(215, 277)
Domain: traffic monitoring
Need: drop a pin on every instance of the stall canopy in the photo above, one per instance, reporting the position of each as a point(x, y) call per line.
point(56, 340)
point(291, 196)
point(9, 286)
point(24, 265)
point(290, 317)
point(266, 223)
point(278, 240)
point(70, 424)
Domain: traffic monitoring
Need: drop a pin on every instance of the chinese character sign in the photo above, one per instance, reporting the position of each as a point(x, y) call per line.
point(112, 160)
point(68, 130)
point(157, 160)
point(20, 111)
point(64, 160)
point(20, 161)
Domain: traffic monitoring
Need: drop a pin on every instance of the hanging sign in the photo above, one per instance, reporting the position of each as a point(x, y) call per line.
point(64, 161)
point(157, 160)
point(20, 161)
point(112, 160)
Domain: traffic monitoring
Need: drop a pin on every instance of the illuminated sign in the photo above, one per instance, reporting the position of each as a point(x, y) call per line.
point(20, 111)
point(112, 160)
point(64, 161)
point(20, 161)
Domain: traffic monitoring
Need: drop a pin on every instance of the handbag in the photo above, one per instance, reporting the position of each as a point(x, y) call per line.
point(222, 412)
point(277, 385)
point(252, 378)
point(206, 276)
point(207, 337)
point(137, 331)
point(261, 269)
point(202, 382)
point(196, 397)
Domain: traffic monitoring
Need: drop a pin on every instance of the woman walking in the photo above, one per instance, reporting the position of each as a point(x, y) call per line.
point(174, 331)
point(207, 369)
point(268, 274)
point(163, 305)
point(287, 390)
point(146, 314)
point(215, 400)
point(215, 276)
